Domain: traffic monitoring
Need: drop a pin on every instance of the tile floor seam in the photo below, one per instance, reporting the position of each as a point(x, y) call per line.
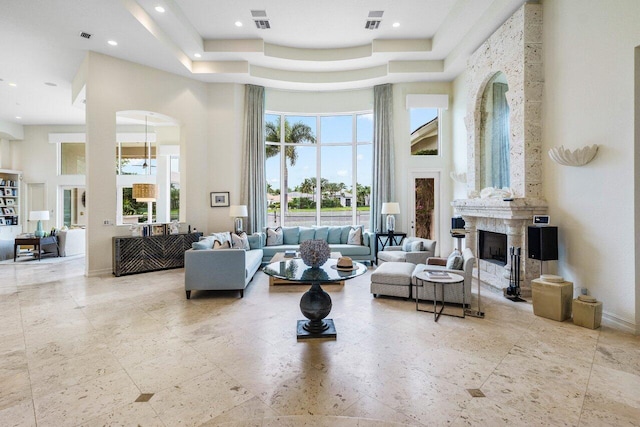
point(586, 389)
point(24, 340)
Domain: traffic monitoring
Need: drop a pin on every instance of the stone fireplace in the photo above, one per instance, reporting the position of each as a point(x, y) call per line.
point(515, 49)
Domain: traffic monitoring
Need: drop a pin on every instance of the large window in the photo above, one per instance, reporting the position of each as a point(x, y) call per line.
point(318, 168)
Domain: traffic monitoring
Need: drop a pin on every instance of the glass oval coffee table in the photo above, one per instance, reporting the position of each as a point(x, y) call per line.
point(315, 304)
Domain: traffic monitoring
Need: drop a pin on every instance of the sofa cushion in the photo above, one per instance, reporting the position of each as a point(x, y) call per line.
point(334, 235)
point(291, 235)
point(355, 236)
point(350, 250)
point(392, 256)
point(322, 233)
point(240, 241)
point(306, 233)
point(275, 236)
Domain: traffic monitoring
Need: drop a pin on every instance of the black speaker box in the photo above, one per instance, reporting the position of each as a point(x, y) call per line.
point(457, 223)
point(543, 243)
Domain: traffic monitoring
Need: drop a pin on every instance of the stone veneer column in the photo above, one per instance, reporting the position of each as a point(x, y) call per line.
point(471, 235)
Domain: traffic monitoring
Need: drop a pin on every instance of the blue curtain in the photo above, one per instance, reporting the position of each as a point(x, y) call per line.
point(254, 185)
point(383, 186)
point(500, 137)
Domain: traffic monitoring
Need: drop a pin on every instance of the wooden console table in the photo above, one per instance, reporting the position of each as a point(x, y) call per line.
point(133, 255)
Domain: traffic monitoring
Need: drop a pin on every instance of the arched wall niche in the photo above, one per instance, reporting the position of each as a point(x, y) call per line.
point(515, 49)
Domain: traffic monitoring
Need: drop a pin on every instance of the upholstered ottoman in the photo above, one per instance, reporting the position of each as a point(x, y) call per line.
point(392, 279)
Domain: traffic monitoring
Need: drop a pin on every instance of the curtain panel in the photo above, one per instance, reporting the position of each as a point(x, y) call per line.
point(254, 185)
point(383, 171)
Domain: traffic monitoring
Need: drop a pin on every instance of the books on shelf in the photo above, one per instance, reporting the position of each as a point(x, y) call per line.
point(438, 275)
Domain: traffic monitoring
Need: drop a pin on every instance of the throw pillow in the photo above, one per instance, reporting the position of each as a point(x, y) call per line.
point(240, 241)
point(255, 241)
point(221, 237)
point(218, 245)
point(355, 236)
point(455, 261)
point(203, 243)
point(275, 236)
point(411, 244)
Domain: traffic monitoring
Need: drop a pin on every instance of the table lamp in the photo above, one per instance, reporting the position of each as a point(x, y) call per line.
point(39, 216)
point(238, 212)
point(390, 209)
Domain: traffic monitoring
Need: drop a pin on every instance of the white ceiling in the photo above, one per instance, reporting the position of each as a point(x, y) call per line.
point(312, 45)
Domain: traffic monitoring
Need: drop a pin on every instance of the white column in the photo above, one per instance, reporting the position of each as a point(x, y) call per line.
point(163, 181)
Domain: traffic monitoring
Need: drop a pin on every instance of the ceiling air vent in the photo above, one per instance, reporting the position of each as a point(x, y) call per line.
point(258, 13)
point(372, 25)
point(376, 13)
point(85, 35)
point(262, 24)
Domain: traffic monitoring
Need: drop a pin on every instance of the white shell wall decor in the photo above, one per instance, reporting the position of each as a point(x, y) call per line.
point(579, 157)
point(459, 177)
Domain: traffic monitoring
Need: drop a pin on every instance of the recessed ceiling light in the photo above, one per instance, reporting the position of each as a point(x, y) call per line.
point(113, 42)
point(197, 55)
point(50, 84)
point(396, 24)
point(13, 84)
point(160, 9)
point(238, 24)
point(18, 117)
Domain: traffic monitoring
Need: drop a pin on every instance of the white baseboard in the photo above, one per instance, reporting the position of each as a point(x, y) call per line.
point(102, 272)
point(618, 323)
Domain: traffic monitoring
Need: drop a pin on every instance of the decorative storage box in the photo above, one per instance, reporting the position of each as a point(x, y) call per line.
point(552, 297)
point(587, 312)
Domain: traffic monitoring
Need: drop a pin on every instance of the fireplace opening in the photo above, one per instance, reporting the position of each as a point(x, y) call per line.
point(493, 247)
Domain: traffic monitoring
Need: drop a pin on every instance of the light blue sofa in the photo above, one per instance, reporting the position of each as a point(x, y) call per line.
point(221, 269)
point(336, 236)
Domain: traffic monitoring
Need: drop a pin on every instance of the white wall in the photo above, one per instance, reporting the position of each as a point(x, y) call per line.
point(588, 99)
point(405, 163)
point(114, 85)
point(588, 48)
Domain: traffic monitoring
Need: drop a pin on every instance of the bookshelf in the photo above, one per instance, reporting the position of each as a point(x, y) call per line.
point(10, 217)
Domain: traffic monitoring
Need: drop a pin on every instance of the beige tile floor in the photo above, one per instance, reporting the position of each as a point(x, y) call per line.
point(81, 351)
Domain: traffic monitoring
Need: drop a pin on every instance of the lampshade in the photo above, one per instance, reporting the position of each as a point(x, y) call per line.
point(144, 192)
point(390, 208)
point(39, 216)
point(237, 211)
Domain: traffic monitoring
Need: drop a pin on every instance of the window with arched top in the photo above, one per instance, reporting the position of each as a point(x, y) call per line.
point(494, 133)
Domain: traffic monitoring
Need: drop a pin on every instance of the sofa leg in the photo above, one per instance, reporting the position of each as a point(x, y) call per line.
point(241, 293)
point(188, 294)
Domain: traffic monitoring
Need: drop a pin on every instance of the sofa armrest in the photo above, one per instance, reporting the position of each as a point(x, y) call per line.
point(417, 257)
point(368, 239)
point(436, 261)
point(214, 269)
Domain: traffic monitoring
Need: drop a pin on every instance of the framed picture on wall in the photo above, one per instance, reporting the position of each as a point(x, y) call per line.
point(158, 229)
point(219, 199)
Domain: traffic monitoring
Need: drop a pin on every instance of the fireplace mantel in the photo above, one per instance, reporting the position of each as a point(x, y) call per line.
point(520, 208)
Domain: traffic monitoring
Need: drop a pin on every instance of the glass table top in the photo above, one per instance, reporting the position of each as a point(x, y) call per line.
point(296, 270)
